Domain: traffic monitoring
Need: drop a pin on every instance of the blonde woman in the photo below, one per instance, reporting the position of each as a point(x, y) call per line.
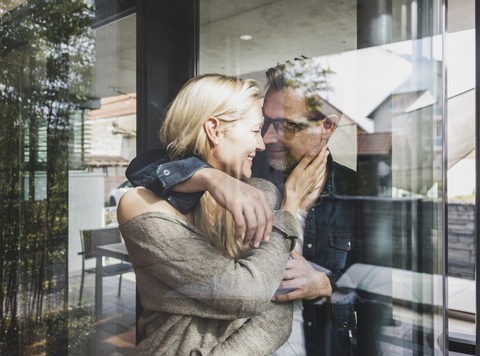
point(203, 291)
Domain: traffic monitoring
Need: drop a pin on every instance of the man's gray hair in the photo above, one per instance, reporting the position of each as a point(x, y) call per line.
point(276, 75)
point(309, 78)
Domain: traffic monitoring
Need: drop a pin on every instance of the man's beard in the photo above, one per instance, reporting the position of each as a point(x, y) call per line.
point(286, 163)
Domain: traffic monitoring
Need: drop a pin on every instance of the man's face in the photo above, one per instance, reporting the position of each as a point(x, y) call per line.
point(304, 132)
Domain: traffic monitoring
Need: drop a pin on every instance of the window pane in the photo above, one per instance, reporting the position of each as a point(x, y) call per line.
point(461, 171)
point(378, 67)
point(67, 133)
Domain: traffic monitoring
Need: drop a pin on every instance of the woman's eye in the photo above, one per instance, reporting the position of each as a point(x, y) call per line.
point(257, 132)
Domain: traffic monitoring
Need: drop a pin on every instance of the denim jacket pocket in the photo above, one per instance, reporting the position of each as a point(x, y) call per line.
point(340, 244)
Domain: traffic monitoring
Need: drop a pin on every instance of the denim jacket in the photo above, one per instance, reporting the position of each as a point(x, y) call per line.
point(155, 171)
point(328, 240)
point(328, 237)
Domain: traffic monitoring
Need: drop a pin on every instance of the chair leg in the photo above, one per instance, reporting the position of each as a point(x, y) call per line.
point(81, 284)
point(120, 285)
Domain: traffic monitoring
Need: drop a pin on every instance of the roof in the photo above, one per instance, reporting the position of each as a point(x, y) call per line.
point(328, 109)
point(399, 102)
point(374, 144)
point(106, 161)
point(115, 106)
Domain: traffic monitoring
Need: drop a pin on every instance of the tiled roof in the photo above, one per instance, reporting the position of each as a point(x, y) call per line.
point(374, 144)
point(106, 161)
point(115, 106)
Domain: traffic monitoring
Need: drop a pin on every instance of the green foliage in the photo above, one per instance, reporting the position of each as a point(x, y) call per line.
point(81, 333)
point(309, 78)
point(78, 334)
point(46, 56)
point(465, 198)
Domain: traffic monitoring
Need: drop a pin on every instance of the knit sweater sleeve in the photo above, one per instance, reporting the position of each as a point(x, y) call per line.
point(260, 335)
point(170, 254)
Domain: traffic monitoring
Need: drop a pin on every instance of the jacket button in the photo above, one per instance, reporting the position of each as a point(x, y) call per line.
point(309, 323)
point(309, 245)
point(345, 324)
point(166, 172)
point(349, 243)
point(313, 209)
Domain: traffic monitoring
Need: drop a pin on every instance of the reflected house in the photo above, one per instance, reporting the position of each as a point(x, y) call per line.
point(394, 105)
point(111, 137)
point(104, 162)
point(407, 180)
point(416, 157)
point(397, 227)
point(374, 163)
point(400, 161)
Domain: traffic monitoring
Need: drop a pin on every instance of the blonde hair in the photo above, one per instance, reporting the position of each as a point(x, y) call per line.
point(229, 99)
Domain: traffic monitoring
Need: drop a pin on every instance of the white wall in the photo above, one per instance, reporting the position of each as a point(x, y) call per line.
point(85, 211)
point(103, 141)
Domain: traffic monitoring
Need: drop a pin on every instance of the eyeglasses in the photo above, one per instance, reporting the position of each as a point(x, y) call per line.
point(288, 128)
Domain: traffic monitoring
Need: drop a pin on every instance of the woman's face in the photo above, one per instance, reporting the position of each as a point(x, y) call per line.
point(238, 145)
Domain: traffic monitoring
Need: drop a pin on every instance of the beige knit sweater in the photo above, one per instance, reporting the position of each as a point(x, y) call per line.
point(196, 300)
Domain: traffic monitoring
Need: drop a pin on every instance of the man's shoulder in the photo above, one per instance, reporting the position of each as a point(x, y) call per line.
point(345, 179)
point(344, 170)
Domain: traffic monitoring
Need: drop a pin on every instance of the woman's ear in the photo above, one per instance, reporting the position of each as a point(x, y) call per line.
point(211, 127)
point(330, 124)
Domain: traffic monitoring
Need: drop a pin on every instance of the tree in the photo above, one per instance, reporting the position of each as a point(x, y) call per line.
point(46, 56)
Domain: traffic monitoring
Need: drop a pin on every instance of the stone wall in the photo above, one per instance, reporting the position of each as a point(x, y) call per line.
point(461, 240)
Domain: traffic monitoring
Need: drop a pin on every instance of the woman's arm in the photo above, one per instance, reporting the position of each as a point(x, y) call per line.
point(174, 262)
point(260, 335)
point(182, 183)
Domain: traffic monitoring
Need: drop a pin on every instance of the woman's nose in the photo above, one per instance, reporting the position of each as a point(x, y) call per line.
point(260, 143)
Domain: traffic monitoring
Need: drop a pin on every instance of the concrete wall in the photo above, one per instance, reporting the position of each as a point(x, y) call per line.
point(461, 240)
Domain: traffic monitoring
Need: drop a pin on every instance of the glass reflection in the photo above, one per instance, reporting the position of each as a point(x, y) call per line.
point(49, 83)
point(387, 85)
point(46, 60)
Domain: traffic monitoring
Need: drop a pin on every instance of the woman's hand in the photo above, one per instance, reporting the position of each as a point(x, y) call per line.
point(307, 177)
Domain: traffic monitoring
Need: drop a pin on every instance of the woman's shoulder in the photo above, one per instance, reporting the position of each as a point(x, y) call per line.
point(139, 201)
point(272, 193)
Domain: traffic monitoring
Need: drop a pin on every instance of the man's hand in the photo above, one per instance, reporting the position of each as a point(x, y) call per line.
point(304, 279)
point(248, 205)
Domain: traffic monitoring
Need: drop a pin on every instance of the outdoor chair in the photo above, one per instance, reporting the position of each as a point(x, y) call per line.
point(90, 240)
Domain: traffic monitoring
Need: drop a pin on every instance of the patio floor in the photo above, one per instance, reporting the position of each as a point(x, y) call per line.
point(114, 331)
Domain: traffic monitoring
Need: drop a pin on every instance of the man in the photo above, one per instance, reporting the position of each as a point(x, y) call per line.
point(296, 123)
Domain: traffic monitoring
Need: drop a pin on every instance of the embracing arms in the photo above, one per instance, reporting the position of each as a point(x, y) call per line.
point(175, 261)
point(182, 183)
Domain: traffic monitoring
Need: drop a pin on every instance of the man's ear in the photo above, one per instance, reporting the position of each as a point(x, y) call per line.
point(211, 127)
point(330, 124)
